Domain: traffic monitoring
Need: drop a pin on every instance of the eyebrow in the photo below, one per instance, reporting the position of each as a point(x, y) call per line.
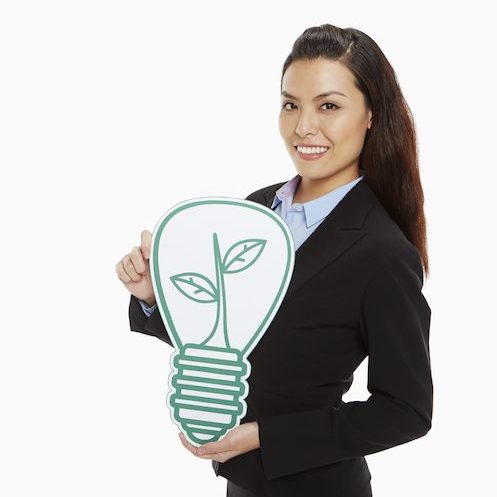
point(328, 93)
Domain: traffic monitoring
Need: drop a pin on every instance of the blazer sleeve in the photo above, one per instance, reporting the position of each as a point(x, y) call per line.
point(394, 323)
point(153, 325)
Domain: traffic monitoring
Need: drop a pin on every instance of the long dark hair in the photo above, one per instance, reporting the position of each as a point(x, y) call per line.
point(389, 156)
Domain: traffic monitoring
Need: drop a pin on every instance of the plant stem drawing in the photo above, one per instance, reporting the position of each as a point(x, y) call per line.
point(199, 288)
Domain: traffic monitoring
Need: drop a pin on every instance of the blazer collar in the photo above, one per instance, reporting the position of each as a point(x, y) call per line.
point(339, 230)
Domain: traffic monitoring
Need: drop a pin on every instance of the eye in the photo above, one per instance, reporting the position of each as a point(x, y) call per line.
point(329, 103)
point(285, 104)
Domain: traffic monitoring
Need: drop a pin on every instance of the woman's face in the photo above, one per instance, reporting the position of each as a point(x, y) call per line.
point(338, 121)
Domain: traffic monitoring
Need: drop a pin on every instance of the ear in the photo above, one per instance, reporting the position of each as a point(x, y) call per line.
point(370, 117)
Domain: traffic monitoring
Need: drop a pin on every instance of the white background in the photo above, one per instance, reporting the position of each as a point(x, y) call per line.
point(111, 112)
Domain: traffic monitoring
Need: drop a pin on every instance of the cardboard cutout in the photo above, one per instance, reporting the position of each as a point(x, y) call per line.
point(220, 269)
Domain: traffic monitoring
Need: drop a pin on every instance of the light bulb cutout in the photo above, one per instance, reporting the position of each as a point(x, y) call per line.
point(220, 268)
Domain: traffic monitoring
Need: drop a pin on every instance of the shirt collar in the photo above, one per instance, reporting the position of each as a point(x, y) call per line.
point(317, 209)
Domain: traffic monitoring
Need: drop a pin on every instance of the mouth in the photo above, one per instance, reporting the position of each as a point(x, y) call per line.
point(311, 153)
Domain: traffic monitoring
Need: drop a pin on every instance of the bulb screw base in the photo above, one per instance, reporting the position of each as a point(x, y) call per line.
point(209, 391)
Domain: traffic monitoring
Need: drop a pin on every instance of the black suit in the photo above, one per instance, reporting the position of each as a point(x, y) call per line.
point(355, 292)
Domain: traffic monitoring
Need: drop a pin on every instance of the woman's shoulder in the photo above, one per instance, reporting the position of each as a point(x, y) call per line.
point(389, 246)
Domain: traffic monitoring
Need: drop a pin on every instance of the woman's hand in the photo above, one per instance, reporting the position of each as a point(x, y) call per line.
point(239, 440)
point(134, 270)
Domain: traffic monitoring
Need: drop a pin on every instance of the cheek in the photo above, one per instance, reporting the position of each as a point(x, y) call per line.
point(347, 135)
point(288, 122)
point(284, 126)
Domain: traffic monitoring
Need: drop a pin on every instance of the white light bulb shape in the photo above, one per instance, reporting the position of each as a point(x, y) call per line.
point(220, 269)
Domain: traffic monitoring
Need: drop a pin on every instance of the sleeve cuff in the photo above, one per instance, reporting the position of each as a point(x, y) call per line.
point(148, 310)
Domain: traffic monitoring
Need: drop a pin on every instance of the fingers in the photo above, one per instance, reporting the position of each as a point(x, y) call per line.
point(207, 448)
point(214, 447)
point(220, 455)
point(132, 266)
point(188, 445)
point(121, 273)
point(126, 270)
point(146, 243)
point(196, 451)
point(138, 261)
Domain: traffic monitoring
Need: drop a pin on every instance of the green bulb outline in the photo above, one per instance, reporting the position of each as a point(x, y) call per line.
point(195, 393)
point(219, 277)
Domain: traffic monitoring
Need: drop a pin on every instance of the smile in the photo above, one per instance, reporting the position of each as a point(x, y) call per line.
point(310, 153)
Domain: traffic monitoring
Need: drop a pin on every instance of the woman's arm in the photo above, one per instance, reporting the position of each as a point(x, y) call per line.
point(140, 322)
point(395, 322)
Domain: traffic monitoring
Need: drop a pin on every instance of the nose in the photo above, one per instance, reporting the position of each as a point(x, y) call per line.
point(307, 124)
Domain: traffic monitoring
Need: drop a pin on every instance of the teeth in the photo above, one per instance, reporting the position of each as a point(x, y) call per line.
point(312, 150)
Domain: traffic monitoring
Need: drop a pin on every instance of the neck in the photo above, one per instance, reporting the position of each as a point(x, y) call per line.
point(311, 188)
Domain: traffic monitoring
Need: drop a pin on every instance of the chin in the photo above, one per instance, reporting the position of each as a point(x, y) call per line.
point(314, 173)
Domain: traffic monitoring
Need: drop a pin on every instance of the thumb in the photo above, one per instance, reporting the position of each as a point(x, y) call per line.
point(146, 243)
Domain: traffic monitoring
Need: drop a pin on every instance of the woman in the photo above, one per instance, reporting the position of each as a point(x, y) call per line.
point(355, 210)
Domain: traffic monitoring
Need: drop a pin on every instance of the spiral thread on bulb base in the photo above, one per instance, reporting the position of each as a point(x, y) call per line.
point(208, 386)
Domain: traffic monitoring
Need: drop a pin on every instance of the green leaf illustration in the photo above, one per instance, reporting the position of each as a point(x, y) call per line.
point(242, 255)
point(195, 286)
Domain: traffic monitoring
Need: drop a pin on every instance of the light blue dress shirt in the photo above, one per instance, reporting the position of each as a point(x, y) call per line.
point(302, 219)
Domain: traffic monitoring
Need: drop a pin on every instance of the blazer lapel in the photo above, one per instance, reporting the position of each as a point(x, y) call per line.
point(339, 230)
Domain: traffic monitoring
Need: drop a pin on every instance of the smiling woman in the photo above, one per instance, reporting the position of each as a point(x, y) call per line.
point(355, 211)
point(323, 130)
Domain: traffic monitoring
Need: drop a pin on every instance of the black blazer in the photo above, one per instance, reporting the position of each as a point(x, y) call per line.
point(355, 292)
